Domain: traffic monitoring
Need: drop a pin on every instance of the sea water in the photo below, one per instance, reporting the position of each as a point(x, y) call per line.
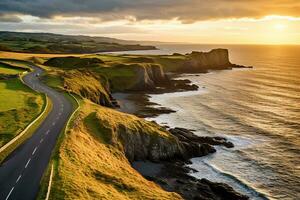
point(257, 109)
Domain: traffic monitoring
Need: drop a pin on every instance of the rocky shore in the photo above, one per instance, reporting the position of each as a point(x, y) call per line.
point(173, 175)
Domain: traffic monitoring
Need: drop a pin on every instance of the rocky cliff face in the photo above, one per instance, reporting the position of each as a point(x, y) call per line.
point(141, 145)
point(120, 134)
point(148, 76)
point(203, 61)
point(143, 140)
point(137, 138)
point(86, 84)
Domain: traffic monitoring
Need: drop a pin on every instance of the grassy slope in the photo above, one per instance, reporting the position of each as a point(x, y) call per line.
point(19, 106)
point(121, 71)
point(50, 43)
point(86, 84)
point(5, 69)
point(90, 167)
point(29, 132)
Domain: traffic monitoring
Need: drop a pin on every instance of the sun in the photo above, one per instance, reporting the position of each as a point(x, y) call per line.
point(280, 27)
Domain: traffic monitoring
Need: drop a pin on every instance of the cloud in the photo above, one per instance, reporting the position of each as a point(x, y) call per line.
point(10, 18)
point(184, 10)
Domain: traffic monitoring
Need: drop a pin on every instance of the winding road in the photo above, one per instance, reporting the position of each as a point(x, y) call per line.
point(21, 172)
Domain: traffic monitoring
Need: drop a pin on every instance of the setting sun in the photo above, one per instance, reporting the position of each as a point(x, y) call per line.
point(280, 27)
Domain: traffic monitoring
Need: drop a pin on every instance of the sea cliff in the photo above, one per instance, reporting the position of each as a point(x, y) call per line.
point(94, 159)
point(127, 137)
point(216, 59)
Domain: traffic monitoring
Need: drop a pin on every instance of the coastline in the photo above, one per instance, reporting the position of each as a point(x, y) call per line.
point(174, 175)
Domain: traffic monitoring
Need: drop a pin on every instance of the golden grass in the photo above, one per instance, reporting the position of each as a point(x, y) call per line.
point(86, 84)
point(90, 168)
point(29, 56)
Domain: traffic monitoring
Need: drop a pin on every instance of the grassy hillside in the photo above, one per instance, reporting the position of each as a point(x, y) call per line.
point(7, 69)
point(54, 43)
point(124, 72)
point(19, 106)
point(91, 163)
point(88, 85)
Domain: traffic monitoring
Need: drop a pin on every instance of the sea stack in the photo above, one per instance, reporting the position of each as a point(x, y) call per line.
point(198, 62)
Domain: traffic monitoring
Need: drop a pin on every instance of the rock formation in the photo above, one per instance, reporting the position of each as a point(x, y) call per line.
point(148, 76)
point(198, 62)
point(88, 85)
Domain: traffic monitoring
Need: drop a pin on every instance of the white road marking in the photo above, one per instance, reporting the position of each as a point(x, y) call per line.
point(53, 123)
point(47, 132)
point(10, 192)
point(18, 178)
point(27, 162)
point(34, 151)
point(41, 140)
point(59, 113)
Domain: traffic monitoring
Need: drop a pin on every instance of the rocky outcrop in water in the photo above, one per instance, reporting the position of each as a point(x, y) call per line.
point(182, 145)
point(174, 177)
point(185, 135)
point(200, 62)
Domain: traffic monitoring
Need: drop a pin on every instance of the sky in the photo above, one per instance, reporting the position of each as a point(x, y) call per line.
point(184, 21)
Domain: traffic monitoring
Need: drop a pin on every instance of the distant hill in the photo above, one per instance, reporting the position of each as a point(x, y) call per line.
point(57, 43)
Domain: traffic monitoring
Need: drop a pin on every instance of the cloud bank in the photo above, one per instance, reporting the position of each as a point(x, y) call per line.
point(184, 10)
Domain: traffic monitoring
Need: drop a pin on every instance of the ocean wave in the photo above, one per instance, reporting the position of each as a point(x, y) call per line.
point(246, 187)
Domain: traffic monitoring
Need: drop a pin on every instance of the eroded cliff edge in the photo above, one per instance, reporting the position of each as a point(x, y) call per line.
point(103, 142)
point(127, 73)
point(94, 158)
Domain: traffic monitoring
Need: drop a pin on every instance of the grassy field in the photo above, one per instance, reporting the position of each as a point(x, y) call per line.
point(89, 165)
point(54, 43)
point(5, 69)
point(30, 56)
point(19, 106)
point(47, 108)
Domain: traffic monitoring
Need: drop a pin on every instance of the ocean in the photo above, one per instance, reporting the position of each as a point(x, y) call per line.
point(257, 109)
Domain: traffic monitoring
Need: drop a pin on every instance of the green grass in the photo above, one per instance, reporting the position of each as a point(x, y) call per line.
point(50, 43)
point(109, 58)
point(29, 132)
point(53, 80)
point(14, 94)
point(72, 62)
point(170, 63)
point(19, 106)
point(5, 69)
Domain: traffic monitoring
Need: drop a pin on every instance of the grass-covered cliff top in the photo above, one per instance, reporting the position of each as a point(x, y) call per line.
point(92, 163)
point(119, 73)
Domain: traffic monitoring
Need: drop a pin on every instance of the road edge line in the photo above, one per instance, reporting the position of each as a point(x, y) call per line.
point(72, 115)
point(50, 183)
point(4, 147)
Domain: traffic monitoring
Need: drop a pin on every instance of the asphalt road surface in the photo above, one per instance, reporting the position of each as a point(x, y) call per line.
point(21, 172)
